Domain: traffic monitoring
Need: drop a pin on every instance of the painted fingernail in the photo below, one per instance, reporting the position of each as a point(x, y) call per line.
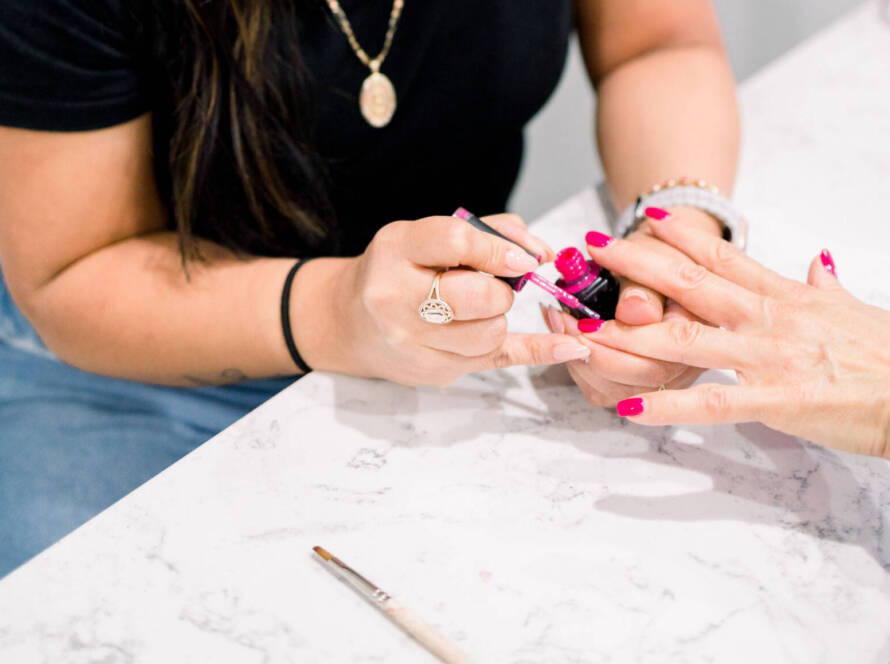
point(557, 326)
point(539, 258)
point(520, 261)
point(828, 262)
point(599, 240)
point(587, 325)
point(635, 294)
point(569, 352)
point(630, 407)
point(657, 214)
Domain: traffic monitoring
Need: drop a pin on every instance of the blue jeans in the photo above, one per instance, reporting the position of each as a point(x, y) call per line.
point(72, 443)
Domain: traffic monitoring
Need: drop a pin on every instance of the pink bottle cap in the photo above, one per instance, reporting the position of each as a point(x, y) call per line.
point(571, 264)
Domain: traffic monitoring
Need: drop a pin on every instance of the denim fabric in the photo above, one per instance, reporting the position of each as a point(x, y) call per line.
point(72, 443)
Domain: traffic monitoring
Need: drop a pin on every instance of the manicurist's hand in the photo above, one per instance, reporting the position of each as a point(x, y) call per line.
point(611, 375)
point(377, 330)
point(811, 359)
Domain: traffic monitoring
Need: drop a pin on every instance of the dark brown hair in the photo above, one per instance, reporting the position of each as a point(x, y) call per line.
point(242, 168)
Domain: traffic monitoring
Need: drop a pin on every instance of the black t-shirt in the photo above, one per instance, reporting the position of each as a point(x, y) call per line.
point(468, 75)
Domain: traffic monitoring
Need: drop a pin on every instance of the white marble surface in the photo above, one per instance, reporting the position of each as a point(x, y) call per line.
point(522, 523)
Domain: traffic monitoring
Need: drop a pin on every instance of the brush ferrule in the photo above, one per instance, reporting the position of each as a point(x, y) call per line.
point(367, 589)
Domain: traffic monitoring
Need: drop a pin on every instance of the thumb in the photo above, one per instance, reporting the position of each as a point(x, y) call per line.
point(532, 349)
point(823, 273)
point(638, 305)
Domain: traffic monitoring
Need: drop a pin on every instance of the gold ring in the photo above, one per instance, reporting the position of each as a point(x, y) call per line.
point(434, 309)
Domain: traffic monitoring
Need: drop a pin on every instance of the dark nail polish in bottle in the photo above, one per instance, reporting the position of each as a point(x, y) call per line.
point(595, 286)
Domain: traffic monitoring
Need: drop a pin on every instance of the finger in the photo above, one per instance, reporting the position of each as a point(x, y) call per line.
point(531, 350)
point(546, 316)
point(638, 305)
point(597, 390)
point(628, 367)
point(451, 242)
point(505, 221)
point(703, 404)
point(823, 273)
point(466, 338)
point(555, 321)
point(472, 295)
point(718, 256)
point(692, 285)
point(513, 226)
point(608, 393)
point(675, 311)
point(681, 341)
point(652, 372)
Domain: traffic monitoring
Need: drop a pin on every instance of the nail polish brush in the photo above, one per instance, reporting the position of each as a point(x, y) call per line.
point(518, 283)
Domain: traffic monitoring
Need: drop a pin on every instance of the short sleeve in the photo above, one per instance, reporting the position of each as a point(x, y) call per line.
point(69, 65)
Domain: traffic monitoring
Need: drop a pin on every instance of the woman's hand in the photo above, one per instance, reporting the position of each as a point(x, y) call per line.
point(811, 359)
point(611, 375)
point(380, 333)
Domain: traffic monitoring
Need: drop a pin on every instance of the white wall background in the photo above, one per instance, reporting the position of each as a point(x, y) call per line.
point(560, 159)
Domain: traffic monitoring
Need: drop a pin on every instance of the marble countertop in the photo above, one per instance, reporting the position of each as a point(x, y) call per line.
point(525, 525)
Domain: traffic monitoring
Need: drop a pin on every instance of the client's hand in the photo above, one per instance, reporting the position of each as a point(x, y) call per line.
point(811, 359)
point(611, 375)
point(381, 333)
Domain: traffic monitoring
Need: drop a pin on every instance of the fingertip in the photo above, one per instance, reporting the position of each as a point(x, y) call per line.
point(556, 321)
point(822, 272)
point(657, 214)
point(519, 261)
point(548, 255)
point(598, 240)
point(639, 306)
point(827, 261)
point(570, 351)
point(632, 407)
point(545, 315)
point(590, 325)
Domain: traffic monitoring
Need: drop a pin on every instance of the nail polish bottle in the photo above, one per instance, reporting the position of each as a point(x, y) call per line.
point(595, 286)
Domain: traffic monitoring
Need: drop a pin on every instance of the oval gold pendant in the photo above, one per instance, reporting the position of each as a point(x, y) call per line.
point(377, 100)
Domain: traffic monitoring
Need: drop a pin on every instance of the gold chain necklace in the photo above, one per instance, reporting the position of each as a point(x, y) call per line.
point(377, 100)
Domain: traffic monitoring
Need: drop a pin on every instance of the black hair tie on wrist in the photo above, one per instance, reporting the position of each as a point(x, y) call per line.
point(285, 317)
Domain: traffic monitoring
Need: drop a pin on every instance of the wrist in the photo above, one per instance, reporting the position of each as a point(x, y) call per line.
point(318, 301)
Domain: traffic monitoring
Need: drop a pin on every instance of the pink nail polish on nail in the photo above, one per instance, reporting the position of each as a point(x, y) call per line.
point(657, 214)
point(590, 324)
point(599, 240)
point(828, 262)
point(630, 407)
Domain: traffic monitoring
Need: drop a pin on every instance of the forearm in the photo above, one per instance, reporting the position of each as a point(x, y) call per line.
point(129, 310)
point(664, 114)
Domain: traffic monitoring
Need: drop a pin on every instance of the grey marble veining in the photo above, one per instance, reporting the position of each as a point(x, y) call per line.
point(521, 522)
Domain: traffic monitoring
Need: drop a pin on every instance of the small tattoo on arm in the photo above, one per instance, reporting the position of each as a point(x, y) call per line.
point(226, 377)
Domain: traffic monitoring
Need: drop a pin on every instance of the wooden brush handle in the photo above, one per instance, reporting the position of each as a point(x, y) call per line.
point(425, 635)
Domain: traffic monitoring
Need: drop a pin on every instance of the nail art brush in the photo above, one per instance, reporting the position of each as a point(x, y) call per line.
point(412, 625)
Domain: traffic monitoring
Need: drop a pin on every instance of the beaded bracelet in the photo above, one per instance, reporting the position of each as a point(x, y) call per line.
point(682, 181)
point(686, 192)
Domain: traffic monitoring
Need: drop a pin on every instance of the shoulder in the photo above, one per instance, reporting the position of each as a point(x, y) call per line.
point(70, 64)
point(72, 18)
